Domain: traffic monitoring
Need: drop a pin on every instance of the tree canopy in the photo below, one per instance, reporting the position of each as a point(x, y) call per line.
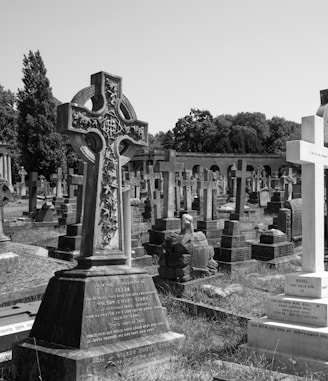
point(42, 148)
point(244, 132)
point(8, 126)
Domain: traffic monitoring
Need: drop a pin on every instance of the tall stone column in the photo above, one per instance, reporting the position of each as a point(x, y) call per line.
point(5, 166)
point(1, 166)
point(9, 171)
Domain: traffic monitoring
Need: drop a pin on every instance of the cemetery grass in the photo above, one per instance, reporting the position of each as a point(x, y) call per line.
point(207, 340)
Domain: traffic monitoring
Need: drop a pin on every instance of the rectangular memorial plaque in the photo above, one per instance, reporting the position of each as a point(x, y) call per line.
point(312, 285)
point(303, 311)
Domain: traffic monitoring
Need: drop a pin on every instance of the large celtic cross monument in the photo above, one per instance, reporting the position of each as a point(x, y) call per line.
point(102, 315)
point(105, 138)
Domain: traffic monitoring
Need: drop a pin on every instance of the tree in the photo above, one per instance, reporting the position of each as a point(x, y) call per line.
point(281, 130)
point(190, 132)
point(8, 126)
point(42, 148)
point(258, 122)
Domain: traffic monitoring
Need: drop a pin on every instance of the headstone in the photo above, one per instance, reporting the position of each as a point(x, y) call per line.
point(33, 184)
point(273, 244)
point(46, 213)
point(93, 315)
point(212, 228)
point(7, 258)
point(240, 175)
point(295, 205)
point(234, 248)
point(22, 174)
point(264, 197)
point(295, 331)
point(187, 255)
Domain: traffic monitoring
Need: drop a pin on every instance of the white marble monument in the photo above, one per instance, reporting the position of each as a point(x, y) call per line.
point(295, 331)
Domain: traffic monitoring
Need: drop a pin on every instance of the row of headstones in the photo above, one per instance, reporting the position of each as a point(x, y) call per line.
point(62, 186)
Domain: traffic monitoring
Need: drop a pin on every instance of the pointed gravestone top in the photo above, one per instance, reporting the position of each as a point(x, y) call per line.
point(105, 137)
point(313, 156)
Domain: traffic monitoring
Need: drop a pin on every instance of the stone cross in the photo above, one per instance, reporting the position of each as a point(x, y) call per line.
point(241, 186)
point(105, 138)
point(59, 189)
point(149, 177)
point(79, 180)
point(186, 188)
point(290, 179)
point(169, 167)
point(33, 184)
point(22, 174)
point(313, 156)
point(233, 180)
point(70, 185)
point(208, 185)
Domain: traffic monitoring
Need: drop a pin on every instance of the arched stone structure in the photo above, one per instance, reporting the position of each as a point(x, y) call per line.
point(207, 160)
point(5, 162)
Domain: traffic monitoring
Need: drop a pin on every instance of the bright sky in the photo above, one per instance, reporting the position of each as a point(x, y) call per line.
point(225, 56)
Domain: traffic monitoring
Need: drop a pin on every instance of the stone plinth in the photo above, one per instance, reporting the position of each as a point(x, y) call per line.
point(273, 244)
point(212, 230)
point(233, 248)
point(296, 326)
point(112, 315)
point(276, 203)
point(68, 245)
point(163, 228)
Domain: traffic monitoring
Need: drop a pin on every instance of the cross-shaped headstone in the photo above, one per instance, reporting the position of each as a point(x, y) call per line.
point(22, 174)
point(313, 156)
point(290, 179)
point(233, 171)
point(71, 186)
point(59, 189)
point(149, 177)
point(106, 138)
point(241, 186)
point(208, 185)
point(33, 184)
point(169, 167)
point(79, 180)
point(186, 188)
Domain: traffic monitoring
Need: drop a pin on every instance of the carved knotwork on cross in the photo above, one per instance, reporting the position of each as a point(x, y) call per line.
point(106, 138)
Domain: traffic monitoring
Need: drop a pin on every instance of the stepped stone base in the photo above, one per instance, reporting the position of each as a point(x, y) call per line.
point(296, 328)
point(97, 314)
point(267, 252)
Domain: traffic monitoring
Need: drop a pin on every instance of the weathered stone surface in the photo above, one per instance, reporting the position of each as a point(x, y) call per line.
point(233, 241)
point(233, 255)
point(273, 236)
point(266, 252)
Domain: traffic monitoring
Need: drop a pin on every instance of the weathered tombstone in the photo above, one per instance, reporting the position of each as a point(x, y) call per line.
point(168, 223)
point(6, 256)
point(295, 205)
point(187, 184)
point(69, 244)
point(295, 331)
point(46, 213)
point(273, 245)
point(264, 197)
point(33, 184)
point(240, 175)
point(187, 255)
point(22, 174)
point(212, 228)
point(92, 315)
